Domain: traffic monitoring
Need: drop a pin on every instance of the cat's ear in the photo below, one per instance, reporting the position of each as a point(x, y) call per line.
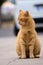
point(20, 10)
point(26, 13)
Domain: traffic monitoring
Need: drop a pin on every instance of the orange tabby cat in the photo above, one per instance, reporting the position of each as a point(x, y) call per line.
point(28, 44)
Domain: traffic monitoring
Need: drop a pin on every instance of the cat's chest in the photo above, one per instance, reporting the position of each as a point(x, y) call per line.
point(27, 38)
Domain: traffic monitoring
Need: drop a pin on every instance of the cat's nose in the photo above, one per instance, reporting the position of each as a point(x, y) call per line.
point(19, 22)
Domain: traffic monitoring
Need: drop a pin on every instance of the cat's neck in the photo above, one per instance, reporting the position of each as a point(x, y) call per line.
point(25, 29)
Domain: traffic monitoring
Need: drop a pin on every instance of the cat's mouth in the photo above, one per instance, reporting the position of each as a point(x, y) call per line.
point(22, 23)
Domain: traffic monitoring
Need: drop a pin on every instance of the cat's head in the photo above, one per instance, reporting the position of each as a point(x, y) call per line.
point(23, 17)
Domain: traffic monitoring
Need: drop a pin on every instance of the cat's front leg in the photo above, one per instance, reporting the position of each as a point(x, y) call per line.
point(23, 49)
point(31, 52)
point(31, 47)
point(23, 52)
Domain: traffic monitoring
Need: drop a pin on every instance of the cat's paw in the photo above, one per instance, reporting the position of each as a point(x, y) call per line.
point(19, 57)
point(37, 56)
point(23, 57)
point(31, 56)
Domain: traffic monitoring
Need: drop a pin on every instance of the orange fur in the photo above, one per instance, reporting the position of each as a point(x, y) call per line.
point(28, 44)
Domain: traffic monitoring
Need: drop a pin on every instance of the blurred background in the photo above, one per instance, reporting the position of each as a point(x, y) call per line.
point(9, 26)
point(9, 10)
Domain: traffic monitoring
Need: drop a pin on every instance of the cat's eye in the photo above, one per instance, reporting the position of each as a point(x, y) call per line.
point(20, 19)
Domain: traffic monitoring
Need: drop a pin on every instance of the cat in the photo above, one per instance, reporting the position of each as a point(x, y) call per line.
point(28, 44)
